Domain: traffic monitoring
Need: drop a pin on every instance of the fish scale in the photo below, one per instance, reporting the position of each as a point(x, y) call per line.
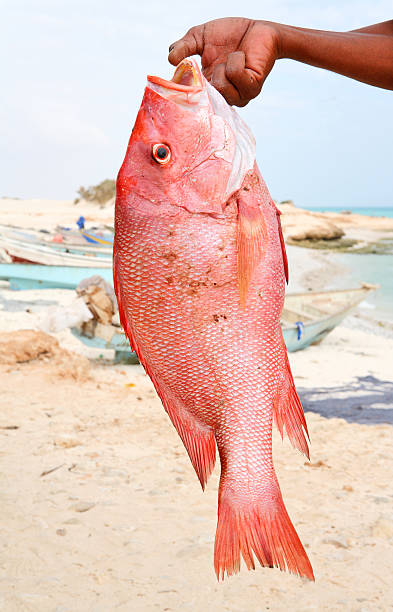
point(199, 275)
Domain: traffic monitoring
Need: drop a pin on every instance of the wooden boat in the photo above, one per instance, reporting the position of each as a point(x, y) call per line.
point(72, 241)
point(109, 337)
point(306, 319)
point(97, 237)
point(19, 251)
point(31, 276)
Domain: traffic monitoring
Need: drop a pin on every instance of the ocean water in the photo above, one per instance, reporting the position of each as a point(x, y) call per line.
point(369, 268)
point(371, 211)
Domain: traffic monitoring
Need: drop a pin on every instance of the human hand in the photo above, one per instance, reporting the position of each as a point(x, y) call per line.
point(237, 55)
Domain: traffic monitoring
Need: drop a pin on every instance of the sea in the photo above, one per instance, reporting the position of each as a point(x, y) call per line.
point(370, 268)
point(371, 211)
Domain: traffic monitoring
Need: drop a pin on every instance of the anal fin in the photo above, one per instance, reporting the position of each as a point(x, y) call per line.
point(288, 411)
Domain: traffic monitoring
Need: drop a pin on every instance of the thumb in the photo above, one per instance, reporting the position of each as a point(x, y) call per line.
point(190, 44)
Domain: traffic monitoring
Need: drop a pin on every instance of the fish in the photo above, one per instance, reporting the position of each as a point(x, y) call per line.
point(199, 274)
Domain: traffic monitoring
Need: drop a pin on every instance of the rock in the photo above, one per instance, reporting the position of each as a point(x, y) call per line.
point(27, 345)
point(82, 506)
point(336, 542)
point(383, 528)
point(61, 532)
point(299, 224)
point(66, 442)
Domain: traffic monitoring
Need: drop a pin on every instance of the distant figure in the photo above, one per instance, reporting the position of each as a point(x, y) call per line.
point(238, 54)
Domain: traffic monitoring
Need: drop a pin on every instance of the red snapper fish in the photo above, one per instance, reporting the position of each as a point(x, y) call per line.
point(199, 273)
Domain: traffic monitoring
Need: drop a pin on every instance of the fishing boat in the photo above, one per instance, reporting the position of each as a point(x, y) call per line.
point(32, 276)
point(306, 319)
point(108, 337)
point(62, 239)
point(19, 251)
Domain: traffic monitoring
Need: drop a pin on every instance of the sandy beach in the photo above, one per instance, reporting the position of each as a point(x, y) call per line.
point(101, 509)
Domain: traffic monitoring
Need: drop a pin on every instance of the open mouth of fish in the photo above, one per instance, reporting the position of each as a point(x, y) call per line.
point(187, 78)
point(189, 89)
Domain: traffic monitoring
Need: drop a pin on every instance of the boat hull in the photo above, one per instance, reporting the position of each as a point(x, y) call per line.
point(32, 276)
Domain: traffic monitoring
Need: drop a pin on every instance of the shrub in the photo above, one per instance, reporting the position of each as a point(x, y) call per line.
point(100, 193)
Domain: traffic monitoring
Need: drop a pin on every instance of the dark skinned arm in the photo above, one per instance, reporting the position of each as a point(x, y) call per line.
point(237, 54)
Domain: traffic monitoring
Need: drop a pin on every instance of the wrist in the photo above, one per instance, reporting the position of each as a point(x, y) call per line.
point(278, 32)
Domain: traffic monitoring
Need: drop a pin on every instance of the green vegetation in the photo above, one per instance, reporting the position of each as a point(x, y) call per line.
point(100, 193)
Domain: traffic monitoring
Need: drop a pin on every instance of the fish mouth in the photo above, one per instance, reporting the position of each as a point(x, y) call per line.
point(187, 79)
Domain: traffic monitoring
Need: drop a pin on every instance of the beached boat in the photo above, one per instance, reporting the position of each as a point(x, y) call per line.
point(31, 276)
point(19, 251)
point(94, 237)
point(306, 319)
point(108, 337)
point(72, 241)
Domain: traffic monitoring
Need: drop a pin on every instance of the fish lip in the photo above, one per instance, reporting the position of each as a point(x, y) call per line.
point(187, 63)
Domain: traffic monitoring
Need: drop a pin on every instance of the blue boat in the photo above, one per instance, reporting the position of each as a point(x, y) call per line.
point(34, 276)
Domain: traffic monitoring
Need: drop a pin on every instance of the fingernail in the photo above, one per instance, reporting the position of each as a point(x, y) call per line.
point(171, 47)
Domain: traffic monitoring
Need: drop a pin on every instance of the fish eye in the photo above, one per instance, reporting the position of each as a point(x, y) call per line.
point(161, 153)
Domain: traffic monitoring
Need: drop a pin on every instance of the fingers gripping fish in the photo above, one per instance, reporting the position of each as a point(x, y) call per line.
point(199, 271)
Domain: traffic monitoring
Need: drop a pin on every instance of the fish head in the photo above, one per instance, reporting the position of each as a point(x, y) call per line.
point(188, 148)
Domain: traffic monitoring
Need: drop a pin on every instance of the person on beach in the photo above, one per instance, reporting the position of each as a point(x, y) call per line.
point(238, 54)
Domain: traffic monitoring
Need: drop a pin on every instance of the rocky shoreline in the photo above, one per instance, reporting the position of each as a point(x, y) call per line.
point(343, 232)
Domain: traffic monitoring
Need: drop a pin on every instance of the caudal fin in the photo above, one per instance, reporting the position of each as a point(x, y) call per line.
point(261, 528)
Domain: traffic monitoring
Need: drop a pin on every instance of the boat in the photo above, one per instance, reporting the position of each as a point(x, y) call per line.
point(109, 337)
point(62, 239)
point(32, 276)
point(20, 251)
point(98, 237)
point(306, 319)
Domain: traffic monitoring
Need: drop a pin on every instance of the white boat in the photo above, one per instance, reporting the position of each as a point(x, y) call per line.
point(308, 317)
point(18, 251)
point(71, 241)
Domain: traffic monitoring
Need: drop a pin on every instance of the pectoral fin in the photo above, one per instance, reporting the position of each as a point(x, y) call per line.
point(251, 240)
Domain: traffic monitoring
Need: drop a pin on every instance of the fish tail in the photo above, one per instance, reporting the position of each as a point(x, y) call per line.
point(260, 527)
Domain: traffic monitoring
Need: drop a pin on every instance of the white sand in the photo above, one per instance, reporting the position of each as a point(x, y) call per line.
point(122, 524)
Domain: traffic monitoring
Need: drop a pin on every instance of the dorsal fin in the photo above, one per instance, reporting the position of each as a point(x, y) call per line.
point(283, 249)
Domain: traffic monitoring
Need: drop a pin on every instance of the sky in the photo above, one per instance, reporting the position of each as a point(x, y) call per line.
point(73, 74)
